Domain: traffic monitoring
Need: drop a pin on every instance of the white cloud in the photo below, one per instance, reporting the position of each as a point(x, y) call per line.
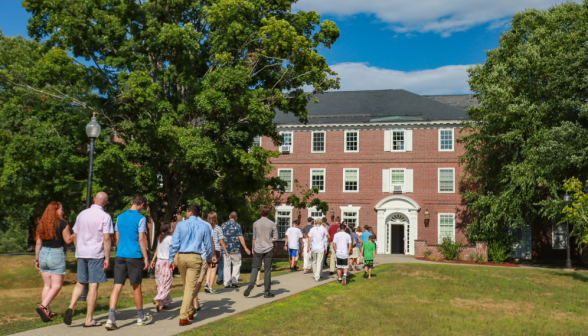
point(438, 16)
point(450, 79)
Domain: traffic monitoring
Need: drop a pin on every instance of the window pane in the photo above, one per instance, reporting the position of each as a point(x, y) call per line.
point(283, 223)
point(318, 179)
point(257, 141)
point(397, 177)
point(350, 218)
point(287, 139)
point(446, 225)
point(318, 142)
point(446, 139)
point(351, 179)
point(286, 175)
point(446, 180)
point(398, 140)
point(351, 141)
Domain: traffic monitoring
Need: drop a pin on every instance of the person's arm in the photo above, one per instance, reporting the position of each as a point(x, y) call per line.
point(334, 246)
point(275, 234)
point(106, 250)
point(154, 257)
point(66, 234)
point(242, 240)
point(308, 243)
point(350, 247)
point(74, 236)
point(143, 243)
point(174, 247)
point(374, 256)
point(286, 244)
point(117, 239)
point(224, 247)
point(37, 251)
point(209, 244)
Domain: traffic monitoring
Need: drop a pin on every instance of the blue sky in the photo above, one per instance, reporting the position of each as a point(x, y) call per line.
point(423, 46)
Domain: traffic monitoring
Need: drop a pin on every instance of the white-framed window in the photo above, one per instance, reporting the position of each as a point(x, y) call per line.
point(446, 180)
point(351, 141)
point(317, 178)
point(446, 226)
point(446, 140)
point(319, 142)
point(397, 141)
point(288, 140)
point(315, 213)
point(283, 220)
point(397, 176)
point(286, 175)
point(350, 215)
point(351, 180)
point(558, 236)
point(398, 180)
point(257, 141)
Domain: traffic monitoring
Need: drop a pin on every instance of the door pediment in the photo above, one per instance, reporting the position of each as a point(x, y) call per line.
point(397, 203)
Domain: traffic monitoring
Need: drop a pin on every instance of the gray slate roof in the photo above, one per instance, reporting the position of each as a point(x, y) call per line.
point(374, 106)
point(461, 101)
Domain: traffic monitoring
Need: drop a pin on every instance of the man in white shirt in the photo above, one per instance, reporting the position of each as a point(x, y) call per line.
point(317, 238)
point(342, 244)
point(292, 244)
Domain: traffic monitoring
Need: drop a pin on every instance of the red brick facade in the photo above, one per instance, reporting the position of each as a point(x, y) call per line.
point(425, 159)
point(481, 248)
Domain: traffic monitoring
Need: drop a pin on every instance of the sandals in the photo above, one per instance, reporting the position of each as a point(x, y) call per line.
point(94, 324)
point(52, 314)
point(157, 307)
point(44, 313)
point(68, 316)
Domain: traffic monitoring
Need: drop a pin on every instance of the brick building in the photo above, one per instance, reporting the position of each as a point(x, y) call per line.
point(380, 158)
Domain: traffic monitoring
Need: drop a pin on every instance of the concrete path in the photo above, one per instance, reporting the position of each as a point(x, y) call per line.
point(214, 307)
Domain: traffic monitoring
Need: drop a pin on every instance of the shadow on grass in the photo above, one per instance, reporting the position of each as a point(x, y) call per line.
point(573, 275)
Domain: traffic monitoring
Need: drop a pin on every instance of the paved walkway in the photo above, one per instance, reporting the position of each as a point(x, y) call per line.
point(214, 307)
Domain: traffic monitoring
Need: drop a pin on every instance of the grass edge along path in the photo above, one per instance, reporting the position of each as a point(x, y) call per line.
point(414, 299)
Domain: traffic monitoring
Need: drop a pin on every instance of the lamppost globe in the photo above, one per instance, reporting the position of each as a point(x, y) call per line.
point(93, 128)
point(567, 198)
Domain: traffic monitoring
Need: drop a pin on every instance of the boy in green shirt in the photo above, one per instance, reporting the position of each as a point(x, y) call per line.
point(368, 250)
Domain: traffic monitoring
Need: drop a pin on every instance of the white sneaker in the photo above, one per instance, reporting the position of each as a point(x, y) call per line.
point(110, 325)
point(145, 321)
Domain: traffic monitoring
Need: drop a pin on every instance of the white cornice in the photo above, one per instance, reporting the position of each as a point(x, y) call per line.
point(419, 124)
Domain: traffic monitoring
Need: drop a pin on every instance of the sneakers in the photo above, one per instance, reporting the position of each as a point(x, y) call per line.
point(365, 275)
point(340, 280)
point(207, 288)
point(110, 325)
point(211, 291)
point(145, 321)
point(219, 282)
point(236, 285)
point(248, 290)
point(291, 270)
point(268, 295)
point(331, 273)
point(296, 268)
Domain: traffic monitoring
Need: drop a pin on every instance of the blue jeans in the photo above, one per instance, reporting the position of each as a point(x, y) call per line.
point(221, 267)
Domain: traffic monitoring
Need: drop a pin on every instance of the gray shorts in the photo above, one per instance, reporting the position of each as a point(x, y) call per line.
point(91, 270)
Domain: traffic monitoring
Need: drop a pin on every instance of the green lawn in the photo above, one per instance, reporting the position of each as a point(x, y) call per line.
point(417, 299)
point(21, 284)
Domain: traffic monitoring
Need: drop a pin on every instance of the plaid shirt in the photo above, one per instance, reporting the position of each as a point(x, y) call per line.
point(232, 231)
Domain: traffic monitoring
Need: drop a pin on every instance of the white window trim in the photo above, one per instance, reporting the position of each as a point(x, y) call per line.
point(292, 137)
point(391, 169)
point(345, 141)
point(324, 179)
point(313, 209)
point(553, 228)
point(452, 140)
point(392, 140)
point(350, 208)
point(350, 191)
point(439, 181)
point(439, 226)
point(312, 141)
point(291, 177)
point(284, 207)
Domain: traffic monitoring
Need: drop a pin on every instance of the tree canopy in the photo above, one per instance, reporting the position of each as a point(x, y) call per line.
point(184, 86)
point(530, 131)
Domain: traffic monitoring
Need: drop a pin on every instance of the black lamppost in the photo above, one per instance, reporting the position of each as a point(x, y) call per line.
point(93, 131)
point(567, 199)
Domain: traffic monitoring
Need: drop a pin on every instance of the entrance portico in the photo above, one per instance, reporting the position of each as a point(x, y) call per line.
point(393, 211)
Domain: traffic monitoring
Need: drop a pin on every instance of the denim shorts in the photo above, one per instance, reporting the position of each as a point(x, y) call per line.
point(91, 270)
point(52, 260)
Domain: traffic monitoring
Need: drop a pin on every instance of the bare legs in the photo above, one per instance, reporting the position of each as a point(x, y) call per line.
point(52, 286)
point(211, 275)
point(90, 299)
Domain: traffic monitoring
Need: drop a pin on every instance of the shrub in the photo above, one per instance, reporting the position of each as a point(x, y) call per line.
point(428, 253)
point(450, 249)
point(498, 253)
point(477, 257)
point(472, 256)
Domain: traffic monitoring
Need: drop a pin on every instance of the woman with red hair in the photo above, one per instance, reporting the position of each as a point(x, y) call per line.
point(53, 235)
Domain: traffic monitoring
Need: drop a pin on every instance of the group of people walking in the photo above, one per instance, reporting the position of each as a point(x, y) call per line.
point(198, 248)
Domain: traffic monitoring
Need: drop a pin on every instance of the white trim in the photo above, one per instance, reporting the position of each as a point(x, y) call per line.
point(439, 226)
point(387, 141)
point(291, 177)
point(345, 141)
point(452, 139)
point(457, 123)
point(324, 178)
point(292, 137)
point(392, 141)
point(312, 141)
point(350, 208)
point(351, 191)
point(439, 181)
point(313, 209)
point(415, 205)
point(403, 179)
point(284, 207)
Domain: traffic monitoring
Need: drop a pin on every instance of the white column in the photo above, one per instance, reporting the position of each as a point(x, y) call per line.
point(414, 220)
point(381, 232)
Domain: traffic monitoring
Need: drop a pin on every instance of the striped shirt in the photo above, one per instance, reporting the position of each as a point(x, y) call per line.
point(217, 234)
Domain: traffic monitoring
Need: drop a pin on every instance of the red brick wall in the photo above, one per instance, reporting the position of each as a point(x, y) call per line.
point(421, 247)
point(425, 159)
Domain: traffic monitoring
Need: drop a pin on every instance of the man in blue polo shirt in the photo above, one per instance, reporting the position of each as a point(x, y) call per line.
point(131, 237)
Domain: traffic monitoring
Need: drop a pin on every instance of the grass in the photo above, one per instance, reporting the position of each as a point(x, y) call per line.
point(417, 299)
point(21, 284)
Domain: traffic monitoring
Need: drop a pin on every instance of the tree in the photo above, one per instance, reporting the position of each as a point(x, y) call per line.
point(308, 199)
point(530, 131)
point(186, 85)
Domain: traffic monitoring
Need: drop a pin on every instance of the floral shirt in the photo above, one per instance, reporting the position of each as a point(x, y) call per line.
point(232, 231)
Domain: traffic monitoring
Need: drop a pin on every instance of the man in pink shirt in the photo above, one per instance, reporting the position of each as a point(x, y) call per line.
point(333, 229)
point(92, 240)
